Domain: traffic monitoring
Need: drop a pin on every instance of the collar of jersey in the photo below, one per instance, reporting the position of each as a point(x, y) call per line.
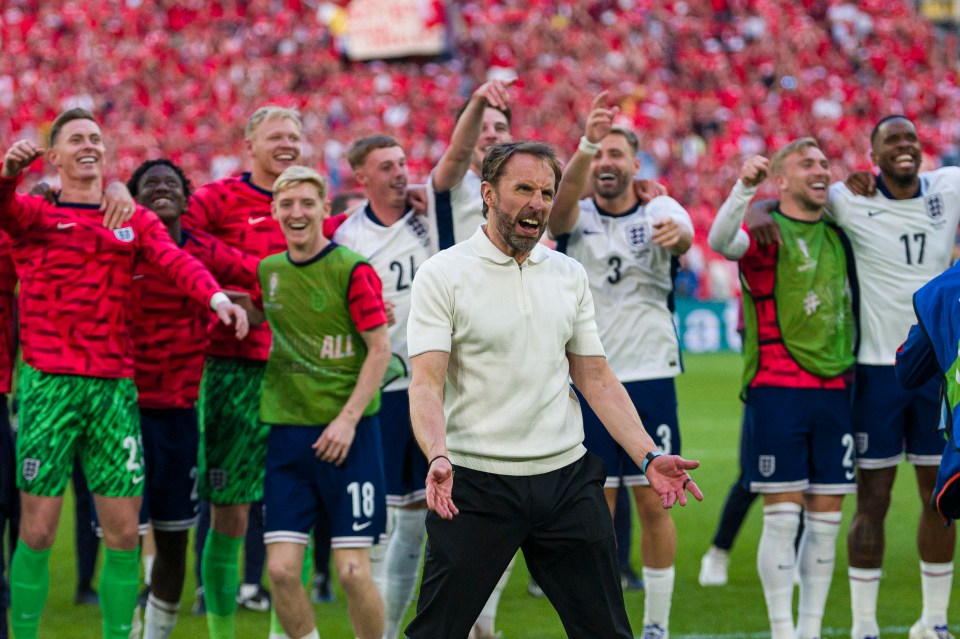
point(489, 251)
point(887, 194)
point(633, 209)
point(75, 205)
point(246, 178)
point(319, 256)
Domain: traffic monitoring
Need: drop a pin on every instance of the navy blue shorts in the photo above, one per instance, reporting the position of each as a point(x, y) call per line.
point(298, 485)
point(889, 420)
point(170, 441)
point(403, 461)
point(656, 401)
point(798, 439)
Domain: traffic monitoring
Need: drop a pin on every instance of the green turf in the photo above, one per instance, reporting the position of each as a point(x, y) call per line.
point(709, 418)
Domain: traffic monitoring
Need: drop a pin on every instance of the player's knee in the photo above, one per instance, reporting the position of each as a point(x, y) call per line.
point(38, 535)
point(284, 573)
point(353, 574)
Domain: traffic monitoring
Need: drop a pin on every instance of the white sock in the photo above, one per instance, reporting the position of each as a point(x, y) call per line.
point(313, 634)
point(159, 618)
point(488, 616)
point(147, 568)
point(378, 552)
point(775, 562)
point(402, 565)
point(936, 581)
point(658, 586)
point(864, 586)
point(818, 550)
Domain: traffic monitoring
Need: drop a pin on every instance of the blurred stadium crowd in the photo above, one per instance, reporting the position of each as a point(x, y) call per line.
point(704, 82)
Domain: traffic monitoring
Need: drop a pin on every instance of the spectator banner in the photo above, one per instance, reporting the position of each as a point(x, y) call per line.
point(394, 28)
point(707, 327)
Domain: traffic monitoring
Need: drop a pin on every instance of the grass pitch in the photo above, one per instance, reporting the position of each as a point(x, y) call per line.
point(710, 422)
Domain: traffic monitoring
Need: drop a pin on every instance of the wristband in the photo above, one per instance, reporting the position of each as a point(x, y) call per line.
point(218, 298)
point(653, 454)
point(588, 147)
point(430, 463)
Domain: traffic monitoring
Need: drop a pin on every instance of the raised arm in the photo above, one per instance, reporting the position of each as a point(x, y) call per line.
point(603, 391)
point(456, 159)
point(566, 209)
point(14, 214)
point(726, 237)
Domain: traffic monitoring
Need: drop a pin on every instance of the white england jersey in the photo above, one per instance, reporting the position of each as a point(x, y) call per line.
point(898, 246)
point(395, 252)
point(630, 279)
point(456, 213)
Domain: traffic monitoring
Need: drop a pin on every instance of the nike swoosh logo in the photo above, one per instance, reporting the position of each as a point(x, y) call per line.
point(358, 527)
point(61, 225)
point(256, 220)
point(137, 480)
point(875, 213)
point(138, 277)
point(782, 567)
point(824, 561)
point(589, 232)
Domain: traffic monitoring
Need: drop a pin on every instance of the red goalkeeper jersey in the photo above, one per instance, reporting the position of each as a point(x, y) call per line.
point(238, 213)
point(76, 285)
point(170, 327)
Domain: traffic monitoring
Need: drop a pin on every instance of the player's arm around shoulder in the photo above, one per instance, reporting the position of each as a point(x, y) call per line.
point(607, 397)
point(672, 226)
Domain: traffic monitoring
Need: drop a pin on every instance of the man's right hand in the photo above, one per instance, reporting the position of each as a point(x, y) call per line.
point(760, 223)
point(19, 156)
point(600, 120)
point(754, 171)
point(862, 183)
point(494, 93)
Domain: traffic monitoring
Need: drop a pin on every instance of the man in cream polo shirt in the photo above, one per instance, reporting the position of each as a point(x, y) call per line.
point(499, 326)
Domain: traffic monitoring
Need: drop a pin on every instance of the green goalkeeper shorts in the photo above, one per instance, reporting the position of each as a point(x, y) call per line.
point(233, 447)
point(95, 418)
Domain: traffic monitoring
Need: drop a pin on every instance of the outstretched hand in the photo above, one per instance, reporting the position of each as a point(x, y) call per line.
point(440, 488)
point(233, 315)
point(494, 93)
point(669, 478)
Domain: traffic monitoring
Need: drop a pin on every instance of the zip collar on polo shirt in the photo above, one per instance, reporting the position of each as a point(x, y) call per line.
point(489, 251)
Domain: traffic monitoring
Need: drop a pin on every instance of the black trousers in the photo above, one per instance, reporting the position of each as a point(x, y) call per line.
point(559, 520)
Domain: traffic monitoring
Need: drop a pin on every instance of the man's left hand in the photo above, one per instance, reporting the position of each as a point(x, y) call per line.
point(440, 488)
point(334, 444)
point(668, 477)
point(667, 233)
point(117, 205)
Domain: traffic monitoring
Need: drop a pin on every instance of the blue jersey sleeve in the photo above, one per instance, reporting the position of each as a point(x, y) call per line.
point(916, 359)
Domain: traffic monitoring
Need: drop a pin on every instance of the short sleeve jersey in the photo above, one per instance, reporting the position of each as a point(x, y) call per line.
point(898, 246)
point(76, 286)
point(631, 279)
point(508, 329)
point(456, 213)
point(238, 213)
point(396, 252)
